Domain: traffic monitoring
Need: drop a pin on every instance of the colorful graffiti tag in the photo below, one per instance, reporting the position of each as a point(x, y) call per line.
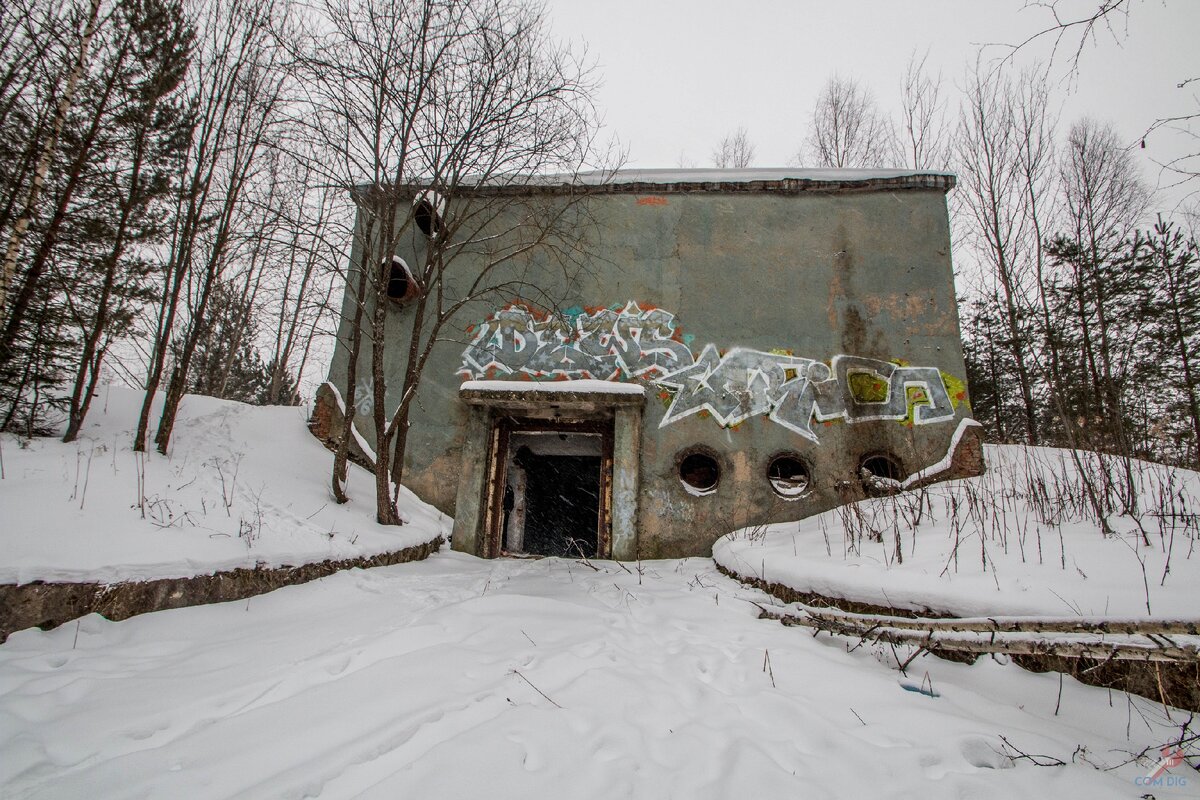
point(603, 344)
point(636, 342)
point(793, 391)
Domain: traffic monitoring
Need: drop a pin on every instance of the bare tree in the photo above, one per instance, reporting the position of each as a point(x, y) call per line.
point(32, 63)
point(237, 94)
point(734, 151)
point(848, 130)
point(1037, 174)
point(992, 195)
point(926, 133)
point(1104, 200)
point(1072, 33)
point(313, 242)
point(420, 110)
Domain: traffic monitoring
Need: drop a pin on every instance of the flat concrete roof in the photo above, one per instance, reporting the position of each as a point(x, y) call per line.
point(778, 180)
point(671, 177)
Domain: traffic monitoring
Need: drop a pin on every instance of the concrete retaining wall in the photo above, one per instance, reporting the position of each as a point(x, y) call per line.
point(48, 605)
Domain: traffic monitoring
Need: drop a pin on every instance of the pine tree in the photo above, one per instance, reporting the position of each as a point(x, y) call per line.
point(226, 363)
point(1169, 265)
point(147, 133)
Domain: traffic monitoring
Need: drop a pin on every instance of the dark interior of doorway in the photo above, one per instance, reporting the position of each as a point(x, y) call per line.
point(554, 490)
point(562, 504)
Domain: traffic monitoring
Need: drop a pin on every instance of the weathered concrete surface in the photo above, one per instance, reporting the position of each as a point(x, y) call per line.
point(862, 270)
point(471, 483)
point(48, 605)
point(627, 460)
point(328, 424)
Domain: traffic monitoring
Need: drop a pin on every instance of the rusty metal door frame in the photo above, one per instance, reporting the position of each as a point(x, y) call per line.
point(502, 427)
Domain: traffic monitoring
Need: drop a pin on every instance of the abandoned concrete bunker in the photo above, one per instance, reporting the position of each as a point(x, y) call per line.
point(716, 349)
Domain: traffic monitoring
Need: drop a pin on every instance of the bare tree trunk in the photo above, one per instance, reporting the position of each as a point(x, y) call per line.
point(178, 383)
point(92, 355)
point(74, 176)
point(989, 157)
point(43, 168)
point(385, 506)
point(308, 340)
point(355, 349)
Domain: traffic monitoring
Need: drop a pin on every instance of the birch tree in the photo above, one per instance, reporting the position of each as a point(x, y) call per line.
point(62, 107)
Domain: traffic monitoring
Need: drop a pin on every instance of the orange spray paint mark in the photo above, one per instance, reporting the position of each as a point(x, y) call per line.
point(652, 201)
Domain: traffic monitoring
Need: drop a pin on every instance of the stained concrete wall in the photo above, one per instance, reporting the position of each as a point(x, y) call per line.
point(817, 274)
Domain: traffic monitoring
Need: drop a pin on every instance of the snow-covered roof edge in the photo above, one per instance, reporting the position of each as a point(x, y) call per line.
point(785, 180)
point(671, 181)
point(705, 176)
point(575, 386)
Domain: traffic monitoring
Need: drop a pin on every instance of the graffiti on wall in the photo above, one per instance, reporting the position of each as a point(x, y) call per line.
point(792, 391)
point(364, 397)
point(602, 344)
point(643, 342)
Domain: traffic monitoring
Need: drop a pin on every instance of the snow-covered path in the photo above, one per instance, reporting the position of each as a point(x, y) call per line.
point(462, 678)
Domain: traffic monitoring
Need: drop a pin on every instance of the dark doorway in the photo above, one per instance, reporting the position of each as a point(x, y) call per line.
point(562, 505)
point(550, 490)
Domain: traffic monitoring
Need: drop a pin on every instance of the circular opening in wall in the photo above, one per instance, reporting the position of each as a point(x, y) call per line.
point(401, 285)
point(699, 473)
point(881, 473)
point(427, 213)
point(789, 476)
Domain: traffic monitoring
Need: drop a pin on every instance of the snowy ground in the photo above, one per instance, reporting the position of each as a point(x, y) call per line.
point(456, 677)
point(1019, 540)
point(243, 485)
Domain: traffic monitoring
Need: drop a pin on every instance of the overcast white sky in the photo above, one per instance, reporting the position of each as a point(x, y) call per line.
point(679, 75)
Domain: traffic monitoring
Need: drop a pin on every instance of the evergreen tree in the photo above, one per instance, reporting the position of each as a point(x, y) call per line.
point(1169, 265)
point(226, 363)
point(996, 400)
point(147, 134)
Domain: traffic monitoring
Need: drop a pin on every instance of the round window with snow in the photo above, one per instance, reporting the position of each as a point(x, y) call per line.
point(789, 476)
point(428, 207)
point(401, 285)
point(699, 472)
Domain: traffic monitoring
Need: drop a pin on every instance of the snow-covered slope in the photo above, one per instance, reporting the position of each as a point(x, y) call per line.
point(455, 677)
point(242, 486)
point(1022, 539)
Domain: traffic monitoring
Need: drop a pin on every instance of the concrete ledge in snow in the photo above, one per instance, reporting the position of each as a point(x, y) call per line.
point(48, 605)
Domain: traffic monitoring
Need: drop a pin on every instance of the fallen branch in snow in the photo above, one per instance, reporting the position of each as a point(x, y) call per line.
point(1106, 625)
point(536, 689)
point(1036, 760)
point(935, 635)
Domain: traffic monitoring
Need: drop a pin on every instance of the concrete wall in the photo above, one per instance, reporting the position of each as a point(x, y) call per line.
point(863, 274)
